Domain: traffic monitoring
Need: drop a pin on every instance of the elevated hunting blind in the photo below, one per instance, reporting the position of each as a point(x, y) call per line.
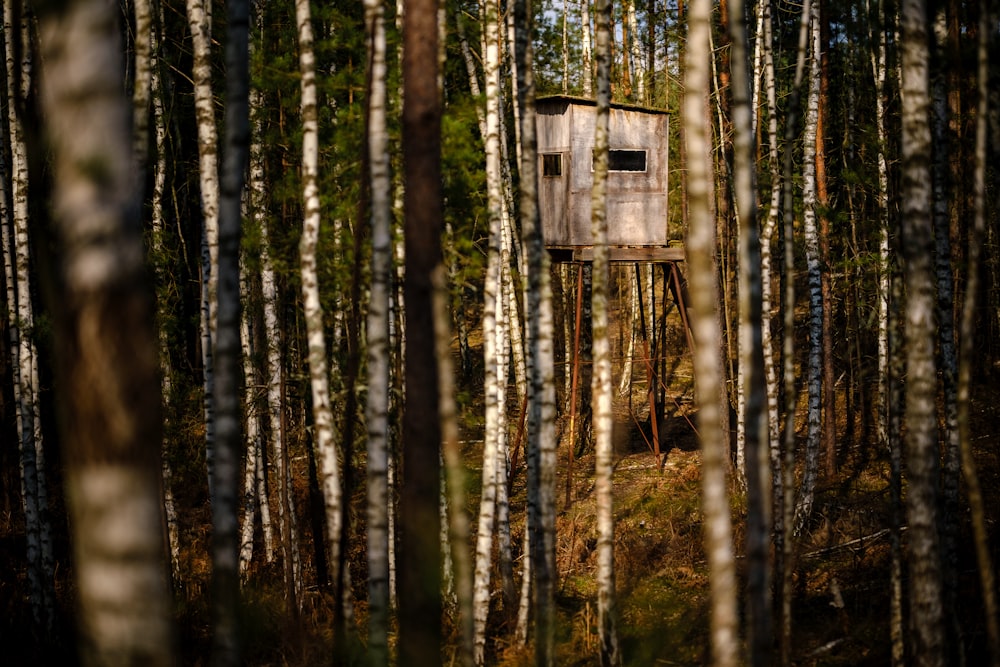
point(637, 180)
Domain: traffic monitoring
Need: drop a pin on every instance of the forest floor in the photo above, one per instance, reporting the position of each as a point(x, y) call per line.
point(841, 586)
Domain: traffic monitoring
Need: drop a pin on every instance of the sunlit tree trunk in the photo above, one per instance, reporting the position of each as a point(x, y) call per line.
point(766, 236)
point(199, 15)
point(377, 406)
point(492, 325)
point(701, 244)
point(601, 378)
point(814, 364)
point(927, 638)
point(322, 412)
point(587, 64)
point(34, 489)
point(541, 442)
point(157, 91)
point(106, 352)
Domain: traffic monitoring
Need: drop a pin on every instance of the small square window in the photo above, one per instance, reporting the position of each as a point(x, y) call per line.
point(552, 164)
point(626, 160)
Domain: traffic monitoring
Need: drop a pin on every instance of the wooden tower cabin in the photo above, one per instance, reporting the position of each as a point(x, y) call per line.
point(637, 188)
point(637, 180)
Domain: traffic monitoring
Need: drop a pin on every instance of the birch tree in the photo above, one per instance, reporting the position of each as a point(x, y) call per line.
point(492, 331)
point(105, 344)
point(21, 320)
point(925, 585)
point(724, 628)
point(540, 536)
point(601, 378)
point(322, 413)
point(377, 406)
point(814, 379)
point(199, 15)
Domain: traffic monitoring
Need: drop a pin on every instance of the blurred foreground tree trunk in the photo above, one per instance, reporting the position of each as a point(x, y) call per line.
point(419, 517)
point(701, 244)
point(107, 365)
point(927, 636)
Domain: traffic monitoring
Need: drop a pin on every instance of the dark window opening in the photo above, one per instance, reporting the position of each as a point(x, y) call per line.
point(626, 160)
point(552, 164)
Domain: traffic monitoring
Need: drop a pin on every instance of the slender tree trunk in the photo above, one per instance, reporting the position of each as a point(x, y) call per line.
point(943, 196)
point(788, 343)
point(541, 443)
point(601, 378)
point(588, 63)
point(225, 538)
point(987, 576)
point(34, 489)
point(322, 412)
point(106, 353)
point(766, 236)
point(377, 405)
point(492, 336)
point(925, 584)
point(814, 380)
point(420, 578)
point(701, 244)
point(758, 472)
point(200, 23)
point(829, 422)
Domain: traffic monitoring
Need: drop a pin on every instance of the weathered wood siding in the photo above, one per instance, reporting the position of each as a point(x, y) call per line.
point(637, 199)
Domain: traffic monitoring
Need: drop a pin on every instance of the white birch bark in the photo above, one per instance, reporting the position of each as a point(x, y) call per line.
point(252, 461)
point(156, 93)
point(377, 405)
point(21, 323)
point(492, 339)
point(635, 51)
point(200, 23)
point(541, 443)
point(724, 622)
point(803, 508)
point(927, 637)
point(601, 351)
point(322, 413)
point(587, 56)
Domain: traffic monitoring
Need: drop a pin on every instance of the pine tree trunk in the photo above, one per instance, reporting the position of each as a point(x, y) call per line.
point(106, 352)
point(420, 551)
